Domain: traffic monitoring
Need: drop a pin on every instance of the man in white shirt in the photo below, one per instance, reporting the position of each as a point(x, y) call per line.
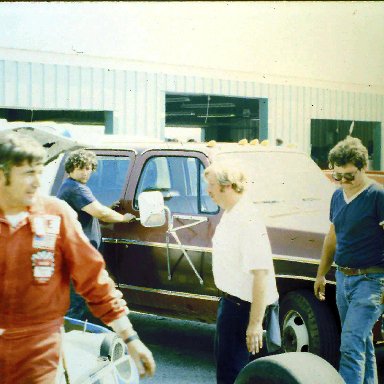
point(242, 269)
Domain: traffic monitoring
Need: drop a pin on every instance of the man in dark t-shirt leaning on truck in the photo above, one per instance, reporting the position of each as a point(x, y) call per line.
point(79, 165)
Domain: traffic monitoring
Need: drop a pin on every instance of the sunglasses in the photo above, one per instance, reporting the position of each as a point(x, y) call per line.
point(346, 176)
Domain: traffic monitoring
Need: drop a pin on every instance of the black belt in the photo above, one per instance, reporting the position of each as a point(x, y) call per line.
point(234, 299)
point(360, 271)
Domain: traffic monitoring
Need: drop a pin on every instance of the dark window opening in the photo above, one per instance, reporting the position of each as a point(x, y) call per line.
point(325, 134)
point(96, 118)
point(220, 118)
point(60, 116)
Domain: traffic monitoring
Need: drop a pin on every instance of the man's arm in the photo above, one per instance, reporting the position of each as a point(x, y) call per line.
point(327, 256)
point(141, 355)
point(93, 282)
point(256, 315)
point(106, 214)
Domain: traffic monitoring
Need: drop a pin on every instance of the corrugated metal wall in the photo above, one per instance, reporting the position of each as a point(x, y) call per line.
point(137, 99)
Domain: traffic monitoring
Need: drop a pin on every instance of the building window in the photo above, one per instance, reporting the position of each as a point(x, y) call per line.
point(325, 134)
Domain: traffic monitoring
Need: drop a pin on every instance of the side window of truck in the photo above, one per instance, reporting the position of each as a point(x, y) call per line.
point(206, 203)
point(180, 180)
point(108, 182)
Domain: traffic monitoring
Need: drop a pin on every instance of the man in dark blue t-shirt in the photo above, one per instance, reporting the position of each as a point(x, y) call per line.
point(355, 242)
point(79, 165)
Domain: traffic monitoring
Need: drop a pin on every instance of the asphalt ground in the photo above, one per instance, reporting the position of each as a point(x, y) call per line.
point(183, 350)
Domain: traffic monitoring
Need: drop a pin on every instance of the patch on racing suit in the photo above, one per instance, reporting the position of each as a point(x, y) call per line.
point(43, 266)
point(46, 229)
point(47, 241)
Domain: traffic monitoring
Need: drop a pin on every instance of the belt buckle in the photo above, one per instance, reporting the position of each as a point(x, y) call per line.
point(351, 271)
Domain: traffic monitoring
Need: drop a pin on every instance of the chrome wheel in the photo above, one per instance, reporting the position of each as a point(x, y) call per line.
point(295, 333)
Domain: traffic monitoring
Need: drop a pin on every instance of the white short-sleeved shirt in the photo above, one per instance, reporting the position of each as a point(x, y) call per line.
point(240, 245)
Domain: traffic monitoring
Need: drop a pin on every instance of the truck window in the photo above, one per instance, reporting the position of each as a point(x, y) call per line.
point(180, 180)
point(108, 182)
point(207, 205)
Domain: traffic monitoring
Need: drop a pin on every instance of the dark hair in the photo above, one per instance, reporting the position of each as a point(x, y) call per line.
point(348, 151)
point(80, 158)
point(15, 149)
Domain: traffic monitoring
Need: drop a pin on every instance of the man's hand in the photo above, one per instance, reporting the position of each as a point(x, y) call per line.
point(115, 205)
point(319, 287)
point(254, 338)
point(142, 357)
point(128, 217)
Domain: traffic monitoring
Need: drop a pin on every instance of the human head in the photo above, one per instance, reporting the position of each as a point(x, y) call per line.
point(227, 175)
point(17, 149)
point(349, 159)
point(225, 183)
point(348, 151)
point(81, 158)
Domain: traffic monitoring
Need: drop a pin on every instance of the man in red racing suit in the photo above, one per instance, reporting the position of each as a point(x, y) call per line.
point(42, 246)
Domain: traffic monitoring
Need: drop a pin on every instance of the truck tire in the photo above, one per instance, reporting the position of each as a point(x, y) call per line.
point(308, 325)
point(289, 368)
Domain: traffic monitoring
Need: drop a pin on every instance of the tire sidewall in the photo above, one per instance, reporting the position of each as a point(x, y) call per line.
point(320, 322)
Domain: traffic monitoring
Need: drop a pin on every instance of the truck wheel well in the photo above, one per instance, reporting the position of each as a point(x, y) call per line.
point(285, 286)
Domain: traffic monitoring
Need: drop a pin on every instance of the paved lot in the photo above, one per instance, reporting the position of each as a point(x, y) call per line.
point(184, 350)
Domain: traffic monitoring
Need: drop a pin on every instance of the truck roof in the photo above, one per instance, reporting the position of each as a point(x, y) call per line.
point(57, 139)
point(109, 142)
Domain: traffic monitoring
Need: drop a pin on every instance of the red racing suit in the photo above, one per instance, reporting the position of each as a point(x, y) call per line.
point(37, 260)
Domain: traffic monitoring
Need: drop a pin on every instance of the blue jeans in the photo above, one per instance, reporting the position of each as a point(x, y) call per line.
point(359, 301)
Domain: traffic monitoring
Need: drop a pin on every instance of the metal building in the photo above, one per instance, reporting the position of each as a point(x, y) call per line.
point(38, 86)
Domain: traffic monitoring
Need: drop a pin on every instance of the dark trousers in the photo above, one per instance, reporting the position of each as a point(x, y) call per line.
point(231, 353)
point(78, 306)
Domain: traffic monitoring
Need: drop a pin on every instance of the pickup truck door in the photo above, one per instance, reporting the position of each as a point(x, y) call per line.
point(141, 259)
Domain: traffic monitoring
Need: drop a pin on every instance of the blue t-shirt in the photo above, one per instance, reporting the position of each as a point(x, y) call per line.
point(78, 195)
point(360, 238)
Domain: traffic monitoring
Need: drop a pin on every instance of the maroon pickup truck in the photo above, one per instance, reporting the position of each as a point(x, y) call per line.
point(159, 275)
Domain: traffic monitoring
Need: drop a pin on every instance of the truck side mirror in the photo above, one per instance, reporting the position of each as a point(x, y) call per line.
point(152, 211)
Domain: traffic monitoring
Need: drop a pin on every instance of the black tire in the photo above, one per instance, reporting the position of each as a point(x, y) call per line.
point(289, 368)
point(308, 325)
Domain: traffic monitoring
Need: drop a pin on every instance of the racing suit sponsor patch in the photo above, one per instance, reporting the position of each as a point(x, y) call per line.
point(43, 266)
